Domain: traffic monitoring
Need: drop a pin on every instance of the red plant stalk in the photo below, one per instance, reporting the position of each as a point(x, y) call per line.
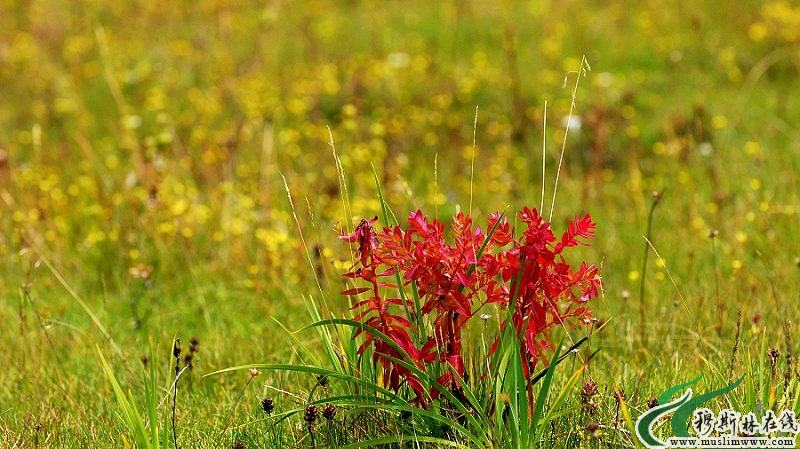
point(454, 282)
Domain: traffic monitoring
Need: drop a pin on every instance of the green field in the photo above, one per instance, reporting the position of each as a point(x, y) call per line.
point(142, 149)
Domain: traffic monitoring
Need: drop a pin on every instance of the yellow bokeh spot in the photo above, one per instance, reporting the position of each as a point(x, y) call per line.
point(208, 157)
point(741, 237)
point(112, 162)
point(349, 110)
point(736, 264)
point(238, 226)
point(719, 121)
point(628, 112)
point(134, 254)
point(94, 236)
point(633, 275)
point(763, 206)
point(757, 31)
point(179, 207)
point(755, 183)
point(752, 148)
point(34, 214)
point(430, 139)
point(166, 227)
point(699, 224)
point(437, 199)
point(247, 202)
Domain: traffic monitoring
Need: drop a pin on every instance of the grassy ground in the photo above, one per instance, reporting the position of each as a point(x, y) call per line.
point(141, 146)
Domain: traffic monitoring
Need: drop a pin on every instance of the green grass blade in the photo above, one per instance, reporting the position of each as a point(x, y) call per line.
point(384, 206)
point(130, 412)
point(544, 391)
point(568, 386)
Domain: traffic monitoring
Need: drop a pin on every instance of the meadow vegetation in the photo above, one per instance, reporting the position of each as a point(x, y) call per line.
point(146, 149)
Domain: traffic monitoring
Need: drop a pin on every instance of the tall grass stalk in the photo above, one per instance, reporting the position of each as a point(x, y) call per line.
point(472, 159)
point(176, 353)
point(582, 71)
point(82, 303)
point(648, 237)
point(736, 342)
point(302, 238)
point(790, 362)
point(544, 152)
point(717, 298)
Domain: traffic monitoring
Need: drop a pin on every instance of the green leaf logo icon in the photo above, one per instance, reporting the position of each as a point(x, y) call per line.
point(644, 425)
point(683, 407)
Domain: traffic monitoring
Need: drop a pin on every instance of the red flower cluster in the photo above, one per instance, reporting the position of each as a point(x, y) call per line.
point(454, 277)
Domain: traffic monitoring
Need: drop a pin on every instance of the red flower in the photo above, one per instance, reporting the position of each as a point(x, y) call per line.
point(453, 277)
point(366, 238)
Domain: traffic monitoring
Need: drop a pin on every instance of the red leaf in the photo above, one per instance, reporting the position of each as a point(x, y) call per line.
point(579, 228)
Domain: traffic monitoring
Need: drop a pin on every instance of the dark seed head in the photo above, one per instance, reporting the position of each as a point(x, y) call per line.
point(329, 411)
point(194, 345)
point(620, 395)
point(311, 414)
point(323, 381)
point(176, 348)
point(145, 360)
point(773, 356)
point(267, 405)
point(589, 390)
point(593, 429)
point(652, 403)
point(238, 444)
point(405, 415)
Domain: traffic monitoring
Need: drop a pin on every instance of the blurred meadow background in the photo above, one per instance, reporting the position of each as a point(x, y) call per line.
point(142, 145)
